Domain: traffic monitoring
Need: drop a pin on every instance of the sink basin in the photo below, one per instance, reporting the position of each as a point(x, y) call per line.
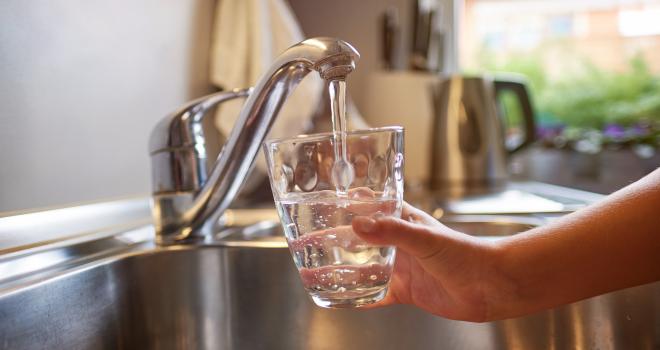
point(491, 226)
point(243, 292)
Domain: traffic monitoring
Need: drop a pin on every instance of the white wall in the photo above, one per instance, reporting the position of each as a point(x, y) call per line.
point(82, 82)
point(358, 23)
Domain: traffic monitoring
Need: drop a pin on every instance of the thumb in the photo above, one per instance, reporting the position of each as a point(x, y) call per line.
point(417, 240)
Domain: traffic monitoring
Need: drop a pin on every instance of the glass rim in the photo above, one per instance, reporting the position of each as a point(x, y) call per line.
point(323, 135)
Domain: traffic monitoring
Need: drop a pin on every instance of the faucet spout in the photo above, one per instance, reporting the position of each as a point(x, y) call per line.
point(196, 212)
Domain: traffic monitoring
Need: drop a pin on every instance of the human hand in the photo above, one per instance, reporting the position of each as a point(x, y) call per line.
point(437, 269)
point(610, 245)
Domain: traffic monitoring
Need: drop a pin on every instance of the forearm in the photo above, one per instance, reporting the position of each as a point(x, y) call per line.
point(611, 245)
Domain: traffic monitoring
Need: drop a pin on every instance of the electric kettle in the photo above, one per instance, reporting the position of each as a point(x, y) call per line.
point(468, 146)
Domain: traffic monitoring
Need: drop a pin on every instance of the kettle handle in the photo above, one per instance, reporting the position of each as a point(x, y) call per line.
point(520, 90)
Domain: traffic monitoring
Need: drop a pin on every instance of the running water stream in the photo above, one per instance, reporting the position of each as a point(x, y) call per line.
point(342, 170)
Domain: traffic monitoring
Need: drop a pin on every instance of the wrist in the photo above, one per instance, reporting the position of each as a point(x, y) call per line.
point(503, 290)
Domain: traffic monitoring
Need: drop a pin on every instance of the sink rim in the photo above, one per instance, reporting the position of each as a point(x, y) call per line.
point(30, 266)
point(494, 219)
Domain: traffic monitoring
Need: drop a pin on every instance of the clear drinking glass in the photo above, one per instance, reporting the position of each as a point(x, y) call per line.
point(337, 268)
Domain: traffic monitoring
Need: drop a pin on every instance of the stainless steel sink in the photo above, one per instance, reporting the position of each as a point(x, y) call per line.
point(491, 226)
point(243, 292)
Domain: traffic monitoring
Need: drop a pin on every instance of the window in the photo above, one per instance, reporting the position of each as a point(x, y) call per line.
point(593, 65)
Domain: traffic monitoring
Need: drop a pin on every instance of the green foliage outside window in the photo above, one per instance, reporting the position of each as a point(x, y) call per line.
point(619, 107)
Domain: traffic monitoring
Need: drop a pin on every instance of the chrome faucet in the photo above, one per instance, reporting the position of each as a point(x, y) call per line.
point(188, 201)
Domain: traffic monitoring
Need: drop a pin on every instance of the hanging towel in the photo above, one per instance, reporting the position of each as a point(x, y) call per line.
point(247, 37)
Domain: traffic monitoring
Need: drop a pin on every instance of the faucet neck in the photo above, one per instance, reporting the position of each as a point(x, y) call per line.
point(195, 214)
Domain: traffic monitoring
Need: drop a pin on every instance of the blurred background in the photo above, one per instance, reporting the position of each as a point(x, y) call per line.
point(593, 69)
point(84, 82)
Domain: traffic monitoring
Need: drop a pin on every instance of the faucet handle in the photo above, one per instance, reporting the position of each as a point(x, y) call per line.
point(177, 145)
